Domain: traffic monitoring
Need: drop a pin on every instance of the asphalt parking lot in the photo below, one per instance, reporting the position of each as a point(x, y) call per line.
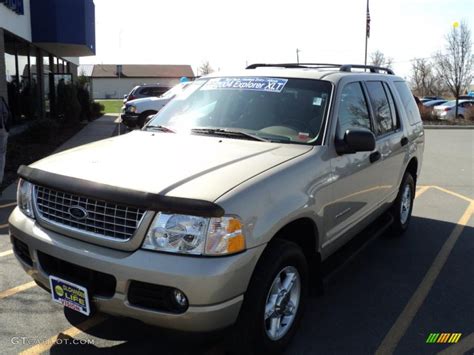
point(386, 298)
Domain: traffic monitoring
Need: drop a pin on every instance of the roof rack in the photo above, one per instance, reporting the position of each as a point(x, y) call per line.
point(295, 65)
point(341, 67)
point(372, 68)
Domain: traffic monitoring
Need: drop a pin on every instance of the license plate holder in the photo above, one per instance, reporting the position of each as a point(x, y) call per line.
point(70, 295)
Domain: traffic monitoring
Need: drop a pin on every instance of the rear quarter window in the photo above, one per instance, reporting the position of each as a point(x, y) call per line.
point(408, 102)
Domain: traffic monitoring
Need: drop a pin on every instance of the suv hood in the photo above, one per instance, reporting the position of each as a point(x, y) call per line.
point(178, 165)
point(147, 99)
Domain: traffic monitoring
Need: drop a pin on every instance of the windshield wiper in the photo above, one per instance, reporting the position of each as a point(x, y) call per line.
point(160, 128)
point(229, 133)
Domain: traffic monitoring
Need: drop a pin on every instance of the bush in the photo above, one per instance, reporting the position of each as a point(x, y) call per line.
point(40, 131)
point(84, 99)
point(72, 107)
point(469, 114)
point(426, 113)
point(97, 109)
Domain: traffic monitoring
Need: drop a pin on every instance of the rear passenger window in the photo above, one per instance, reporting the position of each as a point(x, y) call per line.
point(353, 111)
point(380, 107)
point(157, 91)
point(393, 107)
point(408, 102)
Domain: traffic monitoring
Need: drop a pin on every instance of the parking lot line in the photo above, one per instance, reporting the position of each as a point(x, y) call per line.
point(454, 194)
point(421, 190)
point(15, 290)
point(466, 344)
point(8, 205)
point(72, 332)
point(5, 253)
point(392, 338)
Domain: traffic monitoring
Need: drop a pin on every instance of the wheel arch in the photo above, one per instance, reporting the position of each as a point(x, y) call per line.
point(304, 233)
point(412, 168)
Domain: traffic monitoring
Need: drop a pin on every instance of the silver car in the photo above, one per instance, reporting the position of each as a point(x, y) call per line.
point(251, 180)
point(447, 110)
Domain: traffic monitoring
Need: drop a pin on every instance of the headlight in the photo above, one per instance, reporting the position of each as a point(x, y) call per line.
point(195, 235)
point(24, 197)
point(131, 109)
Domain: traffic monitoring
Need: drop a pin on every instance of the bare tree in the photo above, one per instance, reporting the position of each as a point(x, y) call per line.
point(205, 68)
point(455, 65)
point(378, 59)
point(424, 80)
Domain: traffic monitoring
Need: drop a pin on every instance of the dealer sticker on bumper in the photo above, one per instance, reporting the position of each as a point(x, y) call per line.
point(69, 295)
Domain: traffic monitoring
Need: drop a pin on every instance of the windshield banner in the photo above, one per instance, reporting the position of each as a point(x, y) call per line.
point(253, 84)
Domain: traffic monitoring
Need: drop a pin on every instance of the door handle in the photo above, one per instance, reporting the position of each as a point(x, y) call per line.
point(374, 157)
point(404, 141)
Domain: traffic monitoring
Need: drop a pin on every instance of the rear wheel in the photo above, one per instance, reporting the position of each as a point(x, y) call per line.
point(403, 205)
point(274, 302)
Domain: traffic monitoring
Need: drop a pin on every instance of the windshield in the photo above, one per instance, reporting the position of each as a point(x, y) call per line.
point(274, 109)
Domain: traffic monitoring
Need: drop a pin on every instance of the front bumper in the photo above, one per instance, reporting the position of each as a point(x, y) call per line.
point(214, 286)
point(130, 119)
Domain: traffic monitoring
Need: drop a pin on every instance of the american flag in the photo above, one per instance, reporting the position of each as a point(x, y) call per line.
point(367, 28)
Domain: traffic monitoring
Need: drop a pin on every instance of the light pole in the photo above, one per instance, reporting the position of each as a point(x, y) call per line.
point(455, 27)
point(298, 55)
point(367, 31)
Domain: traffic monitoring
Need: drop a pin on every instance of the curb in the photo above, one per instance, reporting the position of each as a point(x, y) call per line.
point(448, 127)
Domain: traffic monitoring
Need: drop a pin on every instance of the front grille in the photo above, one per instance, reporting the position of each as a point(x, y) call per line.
point(96, 282)
point(99, 218)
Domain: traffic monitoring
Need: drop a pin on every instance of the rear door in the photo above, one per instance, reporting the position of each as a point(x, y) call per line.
point(391, 144)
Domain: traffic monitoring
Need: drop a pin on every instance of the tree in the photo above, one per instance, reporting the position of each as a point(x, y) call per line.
point(424, 80)
point(205, 68)
point(378, 59)
point(455, 65)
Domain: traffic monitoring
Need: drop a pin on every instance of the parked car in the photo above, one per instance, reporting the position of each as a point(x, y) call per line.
point(426, 109)
point(431, 98)
point(448, 109)
point(136, 112)
point(146, 90)
point(221, 209)
point(432, 103)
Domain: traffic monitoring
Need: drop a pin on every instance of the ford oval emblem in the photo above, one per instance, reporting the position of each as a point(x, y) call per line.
point(78, 212)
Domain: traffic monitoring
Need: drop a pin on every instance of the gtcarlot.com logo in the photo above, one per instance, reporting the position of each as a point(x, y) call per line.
point(443, 338)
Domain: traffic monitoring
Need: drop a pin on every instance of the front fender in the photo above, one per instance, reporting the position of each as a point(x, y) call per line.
point(266, 203)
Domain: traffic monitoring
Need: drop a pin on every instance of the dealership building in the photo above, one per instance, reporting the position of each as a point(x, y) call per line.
point(40, 45)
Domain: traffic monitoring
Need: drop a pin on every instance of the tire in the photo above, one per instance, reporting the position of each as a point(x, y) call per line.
point(281, 262)
point(142, 118)
point(403, 206)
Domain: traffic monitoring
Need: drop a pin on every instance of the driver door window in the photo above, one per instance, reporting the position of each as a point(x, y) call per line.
point(353, 111)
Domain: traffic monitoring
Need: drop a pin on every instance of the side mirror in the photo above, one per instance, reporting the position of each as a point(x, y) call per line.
point(125, 96)
point(356, 140)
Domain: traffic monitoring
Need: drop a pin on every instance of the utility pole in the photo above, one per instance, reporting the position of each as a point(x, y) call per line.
point(298, 55)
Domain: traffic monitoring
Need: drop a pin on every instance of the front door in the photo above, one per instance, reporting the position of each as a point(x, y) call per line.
point(357, 184)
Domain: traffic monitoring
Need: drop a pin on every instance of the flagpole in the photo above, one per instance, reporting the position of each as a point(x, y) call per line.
point(367, 31)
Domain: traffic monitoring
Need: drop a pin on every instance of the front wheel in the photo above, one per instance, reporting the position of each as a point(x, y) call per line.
point(275, 299)
point(403, 205)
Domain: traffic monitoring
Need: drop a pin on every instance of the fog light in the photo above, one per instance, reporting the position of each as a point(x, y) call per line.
point(180, 298)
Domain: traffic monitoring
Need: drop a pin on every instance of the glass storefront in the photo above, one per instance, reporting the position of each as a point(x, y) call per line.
point(31, 84)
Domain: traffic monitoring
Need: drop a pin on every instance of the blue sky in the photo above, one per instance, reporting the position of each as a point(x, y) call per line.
point(232, 33)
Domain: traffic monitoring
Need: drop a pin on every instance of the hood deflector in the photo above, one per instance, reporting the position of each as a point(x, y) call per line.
point(128, 197)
